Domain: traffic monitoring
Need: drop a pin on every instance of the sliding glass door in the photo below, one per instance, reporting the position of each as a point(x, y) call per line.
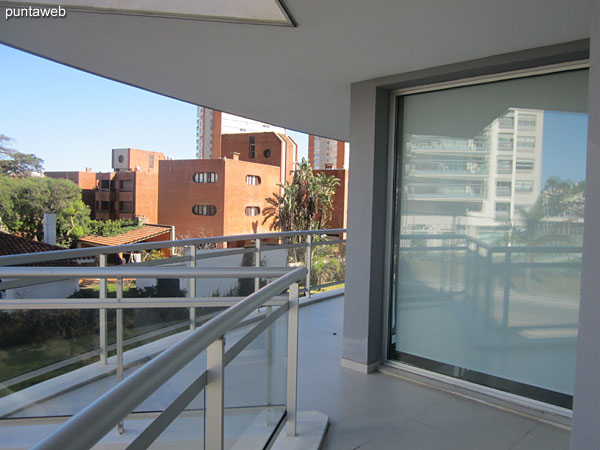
point(488, 225)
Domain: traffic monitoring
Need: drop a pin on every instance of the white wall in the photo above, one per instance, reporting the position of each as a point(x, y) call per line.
point(205, 287)
point(56, 289)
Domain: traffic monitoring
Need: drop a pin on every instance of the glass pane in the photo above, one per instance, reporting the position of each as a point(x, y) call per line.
point(187, 430)
point(255, 387)
point(223, 287)
point(488, 232)
point(34, 340)
point(328, 266)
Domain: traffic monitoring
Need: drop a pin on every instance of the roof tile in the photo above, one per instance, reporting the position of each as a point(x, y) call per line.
point(141, 234)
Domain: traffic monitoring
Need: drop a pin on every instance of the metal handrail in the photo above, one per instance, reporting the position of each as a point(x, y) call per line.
point(131, 271)
point(86, 252)
point(88, 426)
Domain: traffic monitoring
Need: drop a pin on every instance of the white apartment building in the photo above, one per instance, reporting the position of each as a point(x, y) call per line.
point(324, 153)
point(475, 185)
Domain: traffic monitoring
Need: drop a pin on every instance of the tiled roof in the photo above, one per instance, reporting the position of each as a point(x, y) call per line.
point(138, 235)
point(15, 245)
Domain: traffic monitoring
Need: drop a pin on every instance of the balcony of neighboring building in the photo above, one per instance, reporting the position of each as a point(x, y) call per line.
point(446, 145)
point(459, 167)
point(445, 189)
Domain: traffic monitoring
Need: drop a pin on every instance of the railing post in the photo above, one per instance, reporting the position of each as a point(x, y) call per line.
point(214, 395)
point(292, 356)
point(489, 285)
point(192, 287)
point(257, 256)
point(443, 266)
point(507, 273)
point(467, 272)
point(119, 312)
point(102, 325)
point(308, 264)
point(270, 415)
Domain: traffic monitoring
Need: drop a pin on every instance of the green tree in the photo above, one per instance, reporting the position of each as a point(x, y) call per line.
point(112, 227)
point(559, 198)
point(563, 197)
point(17, 164)
point(328, 264)
point(25, 200)
point(304, 204)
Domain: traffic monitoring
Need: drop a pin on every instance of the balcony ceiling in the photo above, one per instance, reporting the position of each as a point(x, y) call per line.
point(295, 77)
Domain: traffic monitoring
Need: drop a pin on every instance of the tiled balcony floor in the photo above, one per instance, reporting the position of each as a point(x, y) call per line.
point(382, 412)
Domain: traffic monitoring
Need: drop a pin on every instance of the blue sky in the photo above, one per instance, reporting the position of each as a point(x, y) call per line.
point(565, 144)
point(72, 119)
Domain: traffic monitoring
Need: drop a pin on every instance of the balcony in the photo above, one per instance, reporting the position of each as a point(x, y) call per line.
point(446, 145)
point(386, 409)
point(459, 190)
point(240, 369)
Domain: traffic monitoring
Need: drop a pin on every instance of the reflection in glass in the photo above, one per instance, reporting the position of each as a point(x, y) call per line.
point(488, 232)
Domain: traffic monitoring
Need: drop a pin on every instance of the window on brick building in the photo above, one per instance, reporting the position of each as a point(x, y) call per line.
point(267, 153)
point(104, 206)
point(254, 180)
point(252, 152)
point(205, 177)
point(204, 210)
point(126, 185)
point(151, 161)
point(105, 185)
point(252, 211)
point(126, 207)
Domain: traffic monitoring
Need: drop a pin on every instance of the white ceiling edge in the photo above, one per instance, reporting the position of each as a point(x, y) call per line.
point(266, 12)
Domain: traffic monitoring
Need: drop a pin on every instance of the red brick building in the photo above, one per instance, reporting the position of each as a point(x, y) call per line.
point(85, 180)
point(200, 197)
point(135, 160)
point(132, 189)
point(215, 197)
point(274, 149)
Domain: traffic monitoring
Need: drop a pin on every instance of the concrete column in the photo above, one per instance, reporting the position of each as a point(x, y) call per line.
point(365, 264)
point(586, 412)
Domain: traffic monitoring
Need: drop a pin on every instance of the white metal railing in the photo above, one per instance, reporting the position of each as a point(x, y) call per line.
point(87, 427)
point(30, 258)
point(18, 277)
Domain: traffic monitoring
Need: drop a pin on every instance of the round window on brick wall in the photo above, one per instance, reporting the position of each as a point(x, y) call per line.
point(204, 210)
point(267, 153)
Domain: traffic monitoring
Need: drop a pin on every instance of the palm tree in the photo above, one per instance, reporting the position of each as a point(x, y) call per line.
point(281, 208)
point(304, 204)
